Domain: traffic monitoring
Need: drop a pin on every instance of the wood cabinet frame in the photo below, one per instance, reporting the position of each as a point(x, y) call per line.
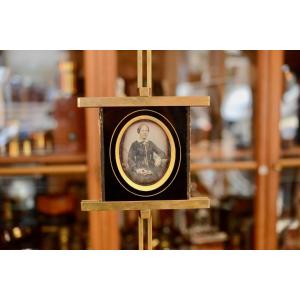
point(100, 76)
point(267, 146)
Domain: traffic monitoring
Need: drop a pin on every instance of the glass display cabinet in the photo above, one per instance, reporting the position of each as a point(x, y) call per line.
point(244, 151)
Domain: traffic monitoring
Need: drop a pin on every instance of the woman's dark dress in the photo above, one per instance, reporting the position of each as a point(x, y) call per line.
point(141, 156)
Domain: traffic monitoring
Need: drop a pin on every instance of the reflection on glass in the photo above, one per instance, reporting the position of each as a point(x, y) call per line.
point(229, 221)
point(288, 210)
point(290, 109)
point(223, 131)
point(228, 224)
point(32, 120)
point(38, 212)
point(38, 116)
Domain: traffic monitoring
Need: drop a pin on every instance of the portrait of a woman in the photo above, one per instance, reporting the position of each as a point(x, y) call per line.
point(146, 162)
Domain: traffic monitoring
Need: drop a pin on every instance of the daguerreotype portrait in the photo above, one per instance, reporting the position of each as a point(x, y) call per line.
point(144, 161)
point(145, 153)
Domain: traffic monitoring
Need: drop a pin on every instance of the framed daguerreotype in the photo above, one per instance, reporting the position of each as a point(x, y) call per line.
point(145, 153)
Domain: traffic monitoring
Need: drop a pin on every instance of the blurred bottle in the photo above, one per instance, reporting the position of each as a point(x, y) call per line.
point(289, 107)
point(4, 74)
point(14, 147)
point(25, 144)
point(129, 231)
point(6, 219)
point(68, 136)
point(17, 219)
point(236, 219)
point(42, 142)
point(56, 221)
point(168, 234)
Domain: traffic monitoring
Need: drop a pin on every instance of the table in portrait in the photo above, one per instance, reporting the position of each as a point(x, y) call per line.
point(145, 153)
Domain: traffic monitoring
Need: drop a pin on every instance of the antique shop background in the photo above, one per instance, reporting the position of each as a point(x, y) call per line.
point(244, 154)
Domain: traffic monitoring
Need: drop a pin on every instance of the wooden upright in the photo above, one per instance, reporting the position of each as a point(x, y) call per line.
point(100, 71)
point(267, 147)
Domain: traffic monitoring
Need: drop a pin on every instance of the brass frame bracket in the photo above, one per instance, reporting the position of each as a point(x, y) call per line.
point(144, 91)
point(145, 215)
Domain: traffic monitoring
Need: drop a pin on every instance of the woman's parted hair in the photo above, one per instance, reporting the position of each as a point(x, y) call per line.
point(140, 127)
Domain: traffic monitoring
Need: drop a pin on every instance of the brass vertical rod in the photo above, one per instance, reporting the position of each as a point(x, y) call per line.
point(140, 85)
point(140, 69)
point(149, 241)
point(149, 69)
point(144, 91)
point(145, 215)
point(141, 233)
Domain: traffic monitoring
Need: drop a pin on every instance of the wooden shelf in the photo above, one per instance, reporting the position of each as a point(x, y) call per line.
point(224, 165)
point(289, 158)
point(293, 151)
point(55, 158)
point(215, 152)
point(38, 170)
point(287, 163)
point(214, 157)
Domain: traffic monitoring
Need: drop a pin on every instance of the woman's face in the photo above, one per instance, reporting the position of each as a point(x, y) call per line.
point(144, 132)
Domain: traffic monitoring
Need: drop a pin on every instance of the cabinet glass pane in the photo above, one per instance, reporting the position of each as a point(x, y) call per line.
point(228, 224)
point(288, 209)
point(38, 113)
point(290, 110)
point(41, 127)
point(42, 212)
point(224, 130)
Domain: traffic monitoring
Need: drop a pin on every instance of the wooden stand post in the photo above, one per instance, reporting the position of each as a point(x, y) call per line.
point(145, 215)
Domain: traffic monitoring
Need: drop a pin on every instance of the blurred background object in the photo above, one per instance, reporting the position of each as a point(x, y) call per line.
point(42, 135)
